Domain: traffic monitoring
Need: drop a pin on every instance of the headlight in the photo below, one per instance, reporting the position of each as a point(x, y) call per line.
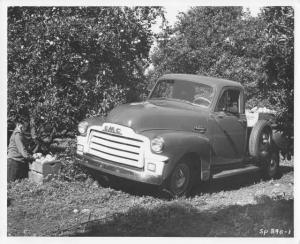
point(82, 127)
point(157, 144)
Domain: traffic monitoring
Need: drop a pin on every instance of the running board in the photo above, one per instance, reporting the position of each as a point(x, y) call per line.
point(231, 172)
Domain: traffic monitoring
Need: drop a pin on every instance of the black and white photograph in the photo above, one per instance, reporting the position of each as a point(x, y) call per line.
point(141, 119)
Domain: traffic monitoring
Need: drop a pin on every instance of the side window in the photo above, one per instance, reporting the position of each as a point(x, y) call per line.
point(229, 102)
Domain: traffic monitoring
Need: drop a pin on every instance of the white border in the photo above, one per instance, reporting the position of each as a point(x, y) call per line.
point(3, 84)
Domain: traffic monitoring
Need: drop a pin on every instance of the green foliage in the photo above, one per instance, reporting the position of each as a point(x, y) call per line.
point(66, 63)
point(214, 41)
point(227, 42)
point(278, 64)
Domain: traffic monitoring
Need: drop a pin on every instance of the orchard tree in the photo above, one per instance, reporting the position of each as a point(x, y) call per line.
point(278, 64)
point(214, 41)
point(227, 42)
point(66, 63)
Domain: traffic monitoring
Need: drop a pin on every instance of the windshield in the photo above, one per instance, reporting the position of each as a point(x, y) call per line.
point(183, 90)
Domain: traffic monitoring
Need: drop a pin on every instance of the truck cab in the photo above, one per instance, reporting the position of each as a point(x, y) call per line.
point(191, 128)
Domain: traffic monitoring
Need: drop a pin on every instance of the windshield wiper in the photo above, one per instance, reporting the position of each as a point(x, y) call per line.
point(158, 98)
point(181, 100)
point(176, 100)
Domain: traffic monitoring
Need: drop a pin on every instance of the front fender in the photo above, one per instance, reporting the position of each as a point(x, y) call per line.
point(180, 143)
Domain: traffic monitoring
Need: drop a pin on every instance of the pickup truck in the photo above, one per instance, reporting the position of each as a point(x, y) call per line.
point(189, 129)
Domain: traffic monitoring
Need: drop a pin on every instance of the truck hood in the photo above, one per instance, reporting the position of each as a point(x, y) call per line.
point(159, 115)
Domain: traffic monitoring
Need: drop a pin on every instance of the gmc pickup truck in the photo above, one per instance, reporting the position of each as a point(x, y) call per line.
point(191, 128)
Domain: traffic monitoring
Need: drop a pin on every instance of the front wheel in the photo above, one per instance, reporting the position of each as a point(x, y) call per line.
point(180, 181)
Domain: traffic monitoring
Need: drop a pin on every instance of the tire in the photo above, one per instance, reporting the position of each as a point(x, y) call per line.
point(263, 150)
point(270, 167)
point(181, 180)
point(260, 141)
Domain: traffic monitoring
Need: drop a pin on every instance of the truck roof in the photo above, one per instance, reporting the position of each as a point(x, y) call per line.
point(211, 81)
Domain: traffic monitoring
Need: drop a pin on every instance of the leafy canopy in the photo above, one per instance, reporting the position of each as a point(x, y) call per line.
point(66, 63)
point(228, 42)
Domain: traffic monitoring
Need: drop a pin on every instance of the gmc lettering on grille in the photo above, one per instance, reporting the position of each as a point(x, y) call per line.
point(111, 129)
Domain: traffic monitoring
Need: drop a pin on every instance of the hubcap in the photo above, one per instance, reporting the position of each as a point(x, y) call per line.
point(273, 163)
point(265, 144)
point(265, 138)
point(180, 178)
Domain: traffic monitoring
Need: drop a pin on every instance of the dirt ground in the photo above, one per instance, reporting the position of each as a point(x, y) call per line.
point(242, 205)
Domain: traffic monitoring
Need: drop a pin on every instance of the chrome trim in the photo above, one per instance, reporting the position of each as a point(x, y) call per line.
point(119, 170)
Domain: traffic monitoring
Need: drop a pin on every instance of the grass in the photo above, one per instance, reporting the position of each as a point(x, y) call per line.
point(237, 206)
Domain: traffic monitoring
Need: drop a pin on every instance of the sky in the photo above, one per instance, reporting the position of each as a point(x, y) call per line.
point(173, 10)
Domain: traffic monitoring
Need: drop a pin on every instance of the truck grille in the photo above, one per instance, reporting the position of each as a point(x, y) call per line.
point(116, 148)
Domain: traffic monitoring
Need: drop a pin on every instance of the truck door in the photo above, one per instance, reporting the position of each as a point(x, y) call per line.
point(229, 127)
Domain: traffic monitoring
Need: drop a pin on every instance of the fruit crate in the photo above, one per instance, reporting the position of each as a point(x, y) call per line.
point(43, 171)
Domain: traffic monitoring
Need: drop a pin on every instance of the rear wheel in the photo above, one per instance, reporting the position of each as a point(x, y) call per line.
point(263, 150)
point(260, 141)
point(270, 167)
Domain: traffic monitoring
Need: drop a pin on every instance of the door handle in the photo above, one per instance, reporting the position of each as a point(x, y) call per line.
point(243, 122)
point(200, 129)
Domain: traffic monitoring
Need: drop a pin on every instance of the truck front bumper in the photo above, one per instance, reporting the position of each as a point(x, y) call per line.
point(119, 170)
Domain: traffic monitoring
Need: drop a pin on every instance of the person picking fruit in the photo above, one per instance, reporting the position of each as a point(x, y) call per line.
point(18, 156)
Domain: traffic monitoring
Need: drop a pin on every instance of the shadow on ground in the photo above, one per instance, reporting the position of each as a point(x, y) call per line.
point(286, 169)
point(182, 219)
